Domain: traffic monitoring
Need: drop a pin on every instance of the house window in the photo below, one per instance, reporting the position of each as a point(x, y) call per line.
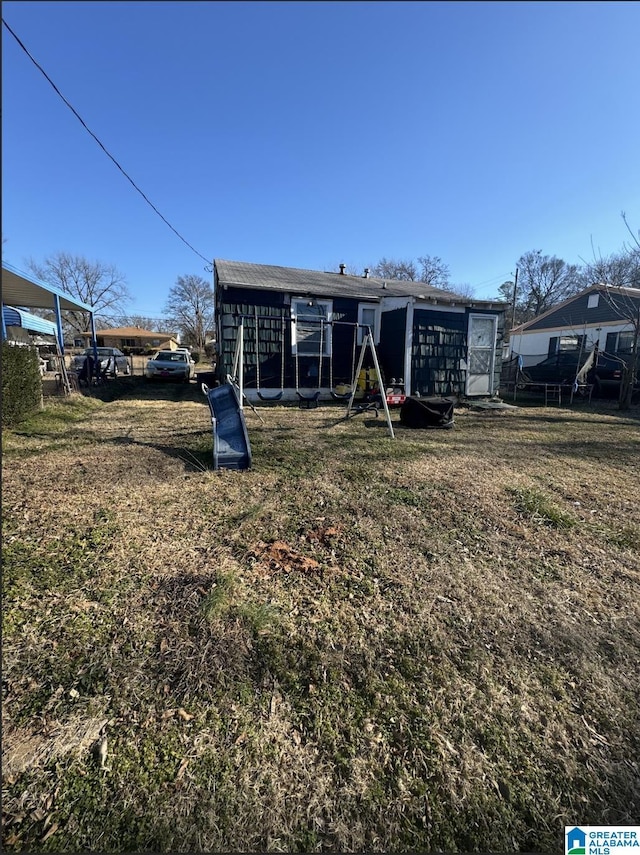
point(127, 342)
point(311, 334)
point(566, 342)
point(369, 315)
point(625, 342)
point(593, 300)
point(619, 342)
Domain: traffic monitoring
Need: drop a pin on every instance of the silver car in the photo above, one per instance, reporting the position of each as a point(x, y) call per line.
point(170, 365)
point(112, 361)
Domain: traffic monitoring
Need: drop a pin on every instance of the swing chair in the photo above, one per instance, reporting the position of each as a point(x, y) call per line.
point(343, 396)
point(278, 395)
point(310, 402)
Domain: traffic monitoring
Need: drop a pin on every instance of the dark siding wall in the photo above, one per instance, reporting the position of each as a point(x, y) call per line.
point(392, 343)
point(439, 343)
point(576, 313)
point(273, 332)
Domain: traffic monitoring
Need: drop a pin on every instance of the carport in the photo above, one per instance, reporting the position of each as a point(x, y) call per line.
point(21, 290)
point(12, 317)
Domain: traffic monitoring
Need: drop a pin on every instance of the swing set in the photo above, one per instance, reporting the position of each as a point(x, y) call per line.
point(311, 400)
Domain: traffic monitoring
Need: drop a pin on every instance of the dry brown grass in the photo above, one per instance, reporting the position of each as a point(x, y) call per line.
point(428, 643)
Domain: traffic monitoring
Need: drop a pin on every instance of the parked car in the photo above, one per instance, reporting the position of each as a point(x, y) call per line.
point(112, 361)
point(563, 366)
point(170, 365)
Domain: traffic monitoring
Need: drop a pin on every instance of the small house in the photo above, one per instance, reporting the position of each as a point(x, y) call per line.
point(303, 329)
point(601, 316)
point(135, 339)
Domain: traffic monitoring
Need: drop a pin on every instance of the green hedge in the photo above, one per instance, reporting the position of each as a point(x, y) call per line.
point(21, 383)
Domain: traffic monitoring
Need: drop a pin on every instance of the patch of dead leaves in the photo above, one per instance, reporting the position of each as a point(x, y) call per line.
point(280, 557)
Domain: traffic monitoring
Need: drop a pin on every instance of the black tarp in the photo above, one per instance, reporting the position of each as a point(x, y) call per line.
point(427, 412)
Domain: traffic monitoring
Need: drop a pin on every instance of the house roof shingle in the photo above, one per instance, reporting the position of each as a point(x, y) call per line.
point(242, 274)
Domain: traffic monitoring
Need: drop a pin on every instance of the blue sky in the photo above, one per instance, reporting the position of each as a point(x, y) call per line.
point(306, 134)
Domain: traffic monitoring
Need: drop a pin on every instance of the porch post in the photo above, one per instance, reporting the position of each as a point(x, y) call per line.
point(59, 323)
point(96, 364)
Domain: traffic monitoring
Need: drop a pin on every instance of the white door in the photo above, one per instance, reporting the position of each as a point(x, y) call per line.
point(482, 347)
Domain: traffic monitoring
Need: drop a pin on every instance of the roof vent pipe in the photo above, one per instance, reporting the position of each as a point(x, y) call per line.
point(366, 273)
point(342, 268)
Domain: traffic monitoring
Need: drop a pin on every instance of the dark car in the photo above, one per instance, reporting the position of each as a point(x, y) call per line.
point(112, 361)
point(562, 367)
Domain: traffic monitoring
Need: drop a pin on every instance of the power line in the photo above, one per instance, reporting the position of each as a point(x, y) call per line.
point(495, 279)
point(109, 155)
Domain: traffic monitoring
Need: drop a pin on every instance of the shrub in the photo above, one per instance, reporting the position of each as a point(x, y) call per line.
point(196, 356)
point(21, 383)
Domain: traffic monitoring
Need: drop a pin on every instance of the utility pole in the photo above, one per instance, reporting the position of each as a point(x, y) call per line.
point(513, 305)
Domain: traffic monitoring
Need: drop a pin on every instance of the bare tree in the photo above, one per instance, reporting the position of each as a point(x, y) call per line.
point(635, 236)
point(626, 303)
point(428, 268)
point(392, 268)
point(99, 285)
point(143, 322)
point(619, 276)
point(434, 272)
point(544, 281)
point(466, 291)
point(621, 269)
point(190, 307)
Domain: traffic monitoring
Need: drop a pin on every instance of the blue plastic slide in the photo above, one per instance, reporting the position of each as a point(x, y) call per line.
point(231, 449)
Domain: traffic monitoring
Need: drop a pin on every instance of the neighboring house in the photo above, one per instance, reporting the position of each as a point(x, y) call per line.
point(135, 339)
point(299, 331)
point(598, 316)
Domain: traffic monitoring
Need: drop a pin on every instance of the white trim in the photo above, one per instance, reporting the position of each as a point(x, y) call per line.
point(408, 339)
point(447, 308)
point(327, 340)
point(491, 372)
point(375, 308)
point(592, 325)
point(593, 300)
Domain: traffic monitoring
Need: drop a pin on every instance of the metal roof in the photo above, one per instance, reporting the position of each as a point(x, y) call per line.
point(20, 318)
point(21, 289)
point(242, 274)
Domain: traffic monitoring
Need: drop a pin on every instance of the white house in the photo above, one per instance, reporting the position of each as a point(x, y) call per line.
point(601, 316)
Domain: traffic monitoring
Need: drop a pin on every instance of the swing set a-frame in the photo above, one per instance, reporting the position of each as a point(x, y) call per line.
point(309, 399)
